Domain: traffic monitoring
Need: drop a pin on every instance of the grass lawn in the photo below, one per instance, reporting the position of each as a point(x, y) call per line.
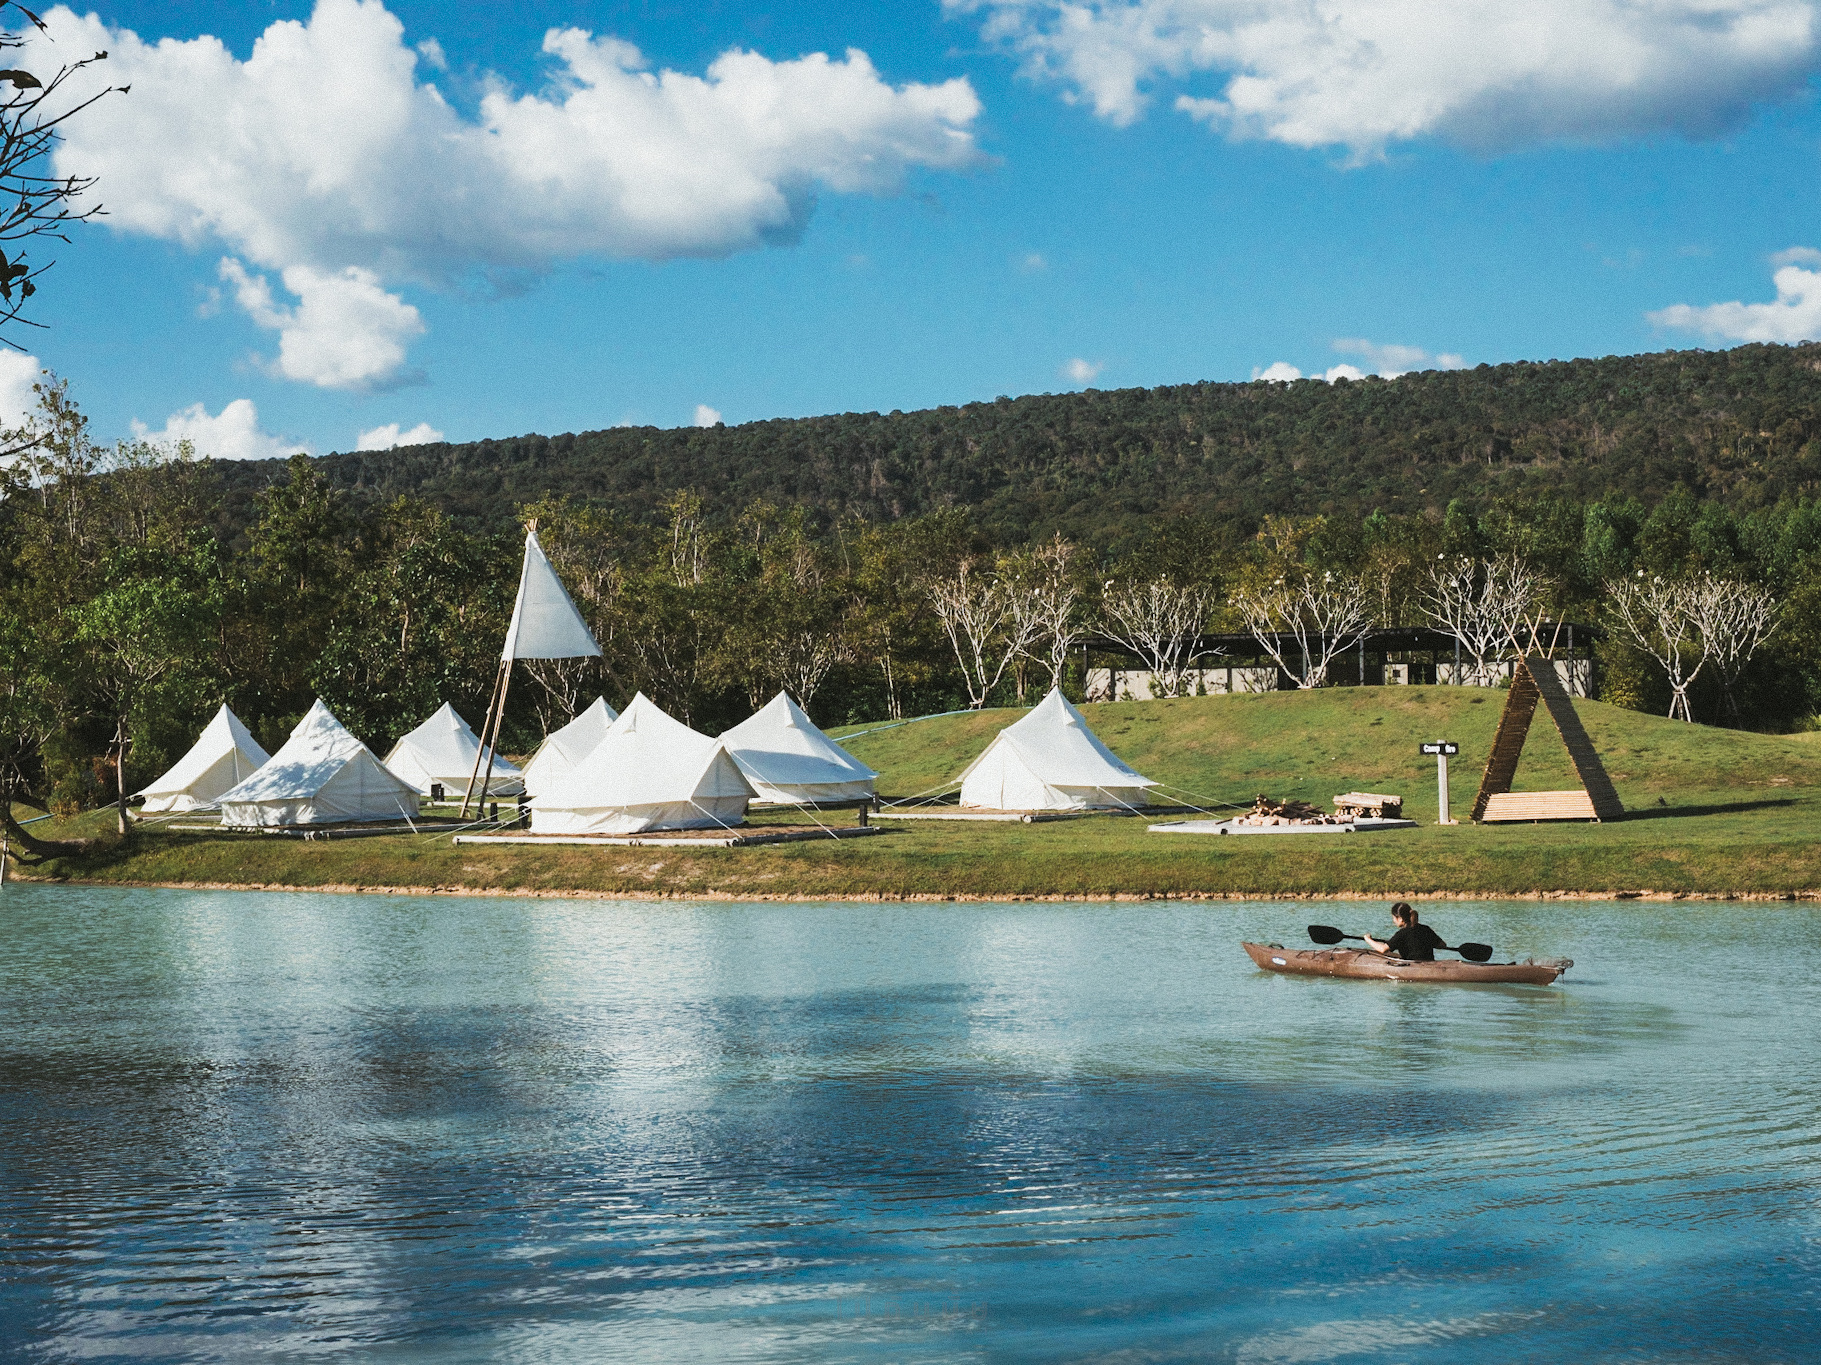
point(1713, 812)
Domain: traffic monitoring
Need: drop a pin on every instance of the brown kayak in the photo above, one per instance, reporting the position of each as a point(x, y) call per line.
point(1363, 964)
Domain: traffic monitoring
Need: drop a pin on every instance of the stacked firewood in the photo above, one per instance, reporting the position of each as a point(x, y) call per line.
point(1376, 805)
point(1265, 811)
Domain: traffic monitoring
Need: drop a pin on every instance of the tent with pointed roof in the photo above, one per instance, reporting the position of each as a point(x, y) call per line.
point(791, 762)
point(442, 752)
point(545, 623)
point(224, 755)
point(323, 775)
point(563, 749)
point(1050, 760)
point(648, 772)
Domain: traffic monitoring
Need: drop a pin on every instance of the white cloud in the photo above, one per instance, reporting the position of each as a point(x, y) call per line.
point(706, 416)
point(324, 152)
point(1389, 359)
point(388, 436)
point(232, 434)
point(1361, 74)
point(1344, 371)
point(344, 333)
point(1795, 316)
point(18, 373)
point(1034, 263)
point(1079, 371)
point(1278, 372)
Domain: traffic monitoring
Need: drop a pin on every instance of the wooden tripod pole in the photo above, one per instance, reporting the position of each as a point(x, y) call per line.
point(493, 704)
point(492, 745)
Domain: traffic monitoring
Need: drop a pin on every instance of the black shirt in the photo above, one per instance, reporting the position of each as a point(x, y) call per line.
point(1415, 943)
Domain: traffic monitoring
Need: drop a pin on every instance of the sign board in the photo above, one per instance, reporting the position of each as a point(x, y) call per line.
point(1445, 746)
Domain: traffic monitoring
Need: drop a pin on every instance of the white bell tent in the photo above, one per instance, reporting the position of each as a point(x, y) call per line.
point(545, 625)
point(224, 756)
point(648, 772)
point(791, 762)
point(323, 775)
point(563, 749)
point(442, 752)
point(1050, 760)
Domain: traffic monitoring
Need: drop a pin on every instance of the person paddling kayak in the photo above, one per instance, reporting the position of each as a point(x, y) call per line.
point(1414, 942)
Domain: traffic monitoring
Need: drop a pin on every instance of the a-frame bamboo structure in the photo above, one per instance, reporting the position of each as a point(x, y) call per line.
point(1534, 679)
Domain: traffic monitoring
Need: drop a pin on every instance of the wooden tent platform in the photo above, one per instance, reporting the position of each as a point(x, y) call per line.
point(744, 837)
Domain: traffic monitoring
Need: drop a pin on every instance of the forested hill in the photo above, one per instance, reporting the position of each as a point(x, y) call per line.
point(1742, 426)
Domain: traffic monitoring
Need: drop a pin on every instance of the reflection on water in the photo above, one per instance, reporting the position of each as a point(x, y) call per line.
point(239, 1126)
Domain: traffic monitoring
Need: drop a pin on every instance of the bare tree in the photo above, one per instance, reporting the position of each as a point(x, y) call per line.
point(1481, 603)
point(33, 204)
point(1661, 617)
point(1324, 617)
point(1160, 623)
point(1043, 596)
point(1733, 619)
point(978, 617)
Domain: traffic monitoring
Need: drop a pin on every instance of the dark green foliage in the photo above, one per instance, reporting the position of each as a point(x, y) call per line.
point(1739, 427)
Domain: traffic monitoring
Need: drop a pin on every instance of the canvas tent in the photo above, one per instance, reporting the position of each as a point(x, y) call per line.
point(545, 625)
point(789, 761)
point(442, 752)
point(224, 755)
point(563, 749)
point(322, 775)
point(648, 772)
point(1050, 760)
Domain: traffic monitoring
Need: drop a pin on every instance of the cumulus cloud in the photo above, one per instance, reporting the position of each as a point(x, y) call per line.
point(388, 436)
point(706, 416)
point(345, 331)
point(1389, 359)
point(1794, 316)
point(18, 373)
point(231, 434)
point(1079, 371)
point(1277, 372)
point(325, 156)
point(1362, 74)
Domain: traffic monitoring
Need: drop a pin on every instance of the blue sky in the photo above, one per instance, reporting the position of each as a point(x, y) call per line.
point(1009, 196)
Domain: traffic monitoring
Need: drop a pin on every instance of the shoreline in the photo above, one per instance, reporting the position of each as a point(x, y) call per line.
point(922, 897)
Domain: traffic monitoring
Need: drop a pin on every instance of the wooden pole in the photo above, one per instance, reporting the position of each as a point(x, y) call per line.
point(486, 725)
point(491, 748)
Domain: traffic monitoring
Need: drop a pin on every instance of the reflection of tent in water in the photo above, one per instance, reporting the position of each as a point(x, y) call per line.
point(225, 755)
point(322, 775)
point(562, 749)
point(1050, 760)
point(789, 761)
point(545, 625)
point(442, 752)
point(648, 772)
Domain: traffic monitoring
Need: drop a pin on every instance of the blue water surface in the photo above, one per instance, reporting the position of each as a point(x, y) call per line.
point(246, 1126)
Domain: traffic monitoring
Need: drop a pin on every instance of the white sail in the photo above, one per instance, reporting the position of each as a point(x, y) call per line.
point(545, 623)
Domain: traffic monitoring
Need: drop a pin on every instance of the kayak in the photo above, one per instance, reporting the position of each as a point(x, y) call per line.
point(1363, 964)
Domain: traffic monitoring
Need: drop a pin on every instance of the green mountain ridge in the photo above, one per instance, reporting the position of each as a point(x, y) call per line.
point(1741, 426)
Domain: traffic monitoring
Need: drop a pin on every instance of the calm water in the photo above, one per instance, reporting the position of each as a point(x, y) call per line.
point(244, 1126)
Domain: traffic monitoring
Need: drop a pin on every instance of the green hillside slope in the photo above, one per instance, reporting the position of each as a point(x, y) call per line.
point(1743, 426)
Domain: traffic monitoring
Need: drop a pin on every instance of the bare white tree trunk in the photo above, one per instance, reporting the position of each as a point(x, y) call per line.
point(1325, 617)
point(1160, 623)
point(1733, 619)
point(1043, 598)
point(1661, 617)
point(1480, 603)
point(976, 613)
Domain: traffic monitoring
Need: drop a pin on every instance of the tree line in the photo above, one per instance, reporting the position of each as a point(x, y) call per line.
point(133, 602)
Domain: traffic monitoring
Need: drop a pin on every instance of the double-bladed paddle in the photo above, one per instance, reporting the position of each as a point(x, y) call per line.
point(1327, 933)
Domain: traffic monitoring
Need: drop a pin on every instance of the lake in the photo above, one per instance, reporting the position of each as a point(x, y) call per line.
point(245, 1126)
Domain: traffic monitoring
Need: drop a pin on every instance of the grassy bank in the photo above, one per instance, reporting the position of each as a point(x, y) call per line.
point(1715, 812)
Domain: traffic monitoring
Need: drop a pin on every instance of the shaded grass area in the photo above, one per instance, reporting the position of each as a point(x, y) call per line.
point(1714, 812)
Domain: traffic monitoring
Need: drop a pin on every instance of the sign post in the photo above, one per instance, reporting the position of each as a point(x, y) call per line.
point(1441, 748)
